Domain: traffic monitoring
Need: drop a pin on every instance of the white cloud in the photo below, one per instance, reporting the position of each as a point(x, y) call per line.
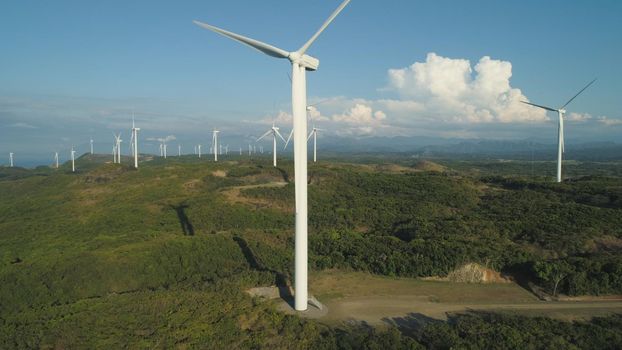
point(609, 121)
point(579, 117)
point(450, 90)
point(22, 125)
point(168, 138)
point(360, 114)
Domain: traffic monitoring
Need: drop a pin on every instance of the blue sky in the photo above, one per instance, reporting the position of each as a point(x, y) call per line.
point(70, 70)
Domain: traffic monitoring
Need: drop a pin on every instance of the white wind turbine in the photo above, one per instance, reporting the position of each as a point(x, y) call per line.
point(73, 160)
point(91, 146)
point(11, 159)
point(179, 150)
point(301, 62)
point(117, 140)
point(199, 148)
point(314, 134)
point(56, 159)
point(560, 128)
point(134, 142)
point(215, 144)
point(275, 132)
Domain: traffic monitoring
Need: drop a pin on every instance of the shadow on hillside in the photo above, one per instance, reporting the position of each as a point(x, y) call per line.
point(410, 324)
point(284, 174)
point(186, 225)
point(281, 279)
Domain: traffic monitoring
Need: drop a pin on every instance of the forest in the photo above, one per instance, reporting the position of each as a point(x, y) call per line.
point(114, 257)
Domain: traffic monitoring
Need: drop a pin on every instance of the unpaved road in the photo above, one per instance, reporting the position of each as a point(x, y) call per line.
point(377, 309)
point(377, 299)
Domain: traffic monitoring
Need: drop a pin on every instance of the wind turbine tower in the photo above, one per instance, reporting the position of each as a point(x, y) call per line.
point(215, 144)
point(11, 159)
point(560, 127)
point(73, 160)
point(56, 159)
point(314, 134)
point(134, 142)
point(91, 146)
point(301, 62)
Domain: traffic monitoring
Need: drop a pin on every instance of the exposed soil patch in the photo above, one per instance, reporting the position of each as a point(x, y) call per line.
point(219, 173)
point(234, 195)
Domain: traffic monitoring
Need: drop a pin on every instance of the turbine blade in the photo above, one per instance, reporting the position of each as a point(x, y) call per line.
point(264, 135)
point(306, 46)
point(543, 107)
point(255, 44)
point(289, 138)
point(310, 134)
point(578, 93)
point(281, 136)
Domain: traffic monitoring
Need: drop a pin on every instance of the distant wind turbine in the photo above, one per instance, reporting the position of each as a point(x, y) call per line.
point(314, 133)
point(301, 62)
point(199, 148)
point(56, 159)
point(179, 150)
point(275, 132)
point(11, 159)
point(73, 160)
point(215, 144)
point(560, 128)
point(117, 148)
point(91, 146)
point(134, 141)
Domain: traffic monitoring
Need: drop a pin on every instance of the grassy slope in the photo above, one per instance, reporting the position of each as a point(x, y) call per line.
point(103, 258)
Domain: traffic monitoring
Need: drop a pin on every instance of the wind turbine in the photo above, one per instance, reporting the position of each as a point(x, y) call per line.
point(199, 148)
point(91, 146)
point(274, 131)
point(134, 142)
point(560, 128)
point(11, 159)
point(56, 159)
point(215, 144)
point(314, 134)
point(73, 160)
point(301, 62)
point(179, 150)
point(118, 141)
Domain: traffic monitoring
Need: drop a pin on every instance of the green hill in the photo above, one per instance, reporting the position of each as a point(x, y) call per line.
point(112, 257)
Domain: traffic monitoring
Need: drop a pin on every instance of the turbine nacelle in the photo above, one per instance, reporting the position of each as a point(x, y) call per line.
point(309, 62)
point(562, 111)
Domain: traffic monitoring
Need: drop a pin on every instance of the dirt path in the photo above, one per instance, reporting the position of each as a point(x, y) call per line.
point(377, 310)
point(234, 195)
point(377, 299)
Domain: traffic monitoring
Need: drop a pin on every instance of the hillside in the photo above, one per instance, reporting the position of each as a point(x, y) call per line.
point(161, 256)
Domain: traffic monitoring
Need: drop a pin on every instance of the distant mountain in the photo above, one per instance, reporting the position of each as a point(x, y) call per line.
point(451, 148)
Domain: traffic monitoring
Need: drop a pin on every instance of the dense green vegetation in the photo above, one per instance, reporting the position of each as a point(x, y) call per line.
point(112, 257)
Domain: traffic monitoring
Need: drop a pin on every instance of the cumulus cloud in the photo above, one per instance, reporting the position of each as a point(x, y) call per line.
point(451, 90)
point(360, 114)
